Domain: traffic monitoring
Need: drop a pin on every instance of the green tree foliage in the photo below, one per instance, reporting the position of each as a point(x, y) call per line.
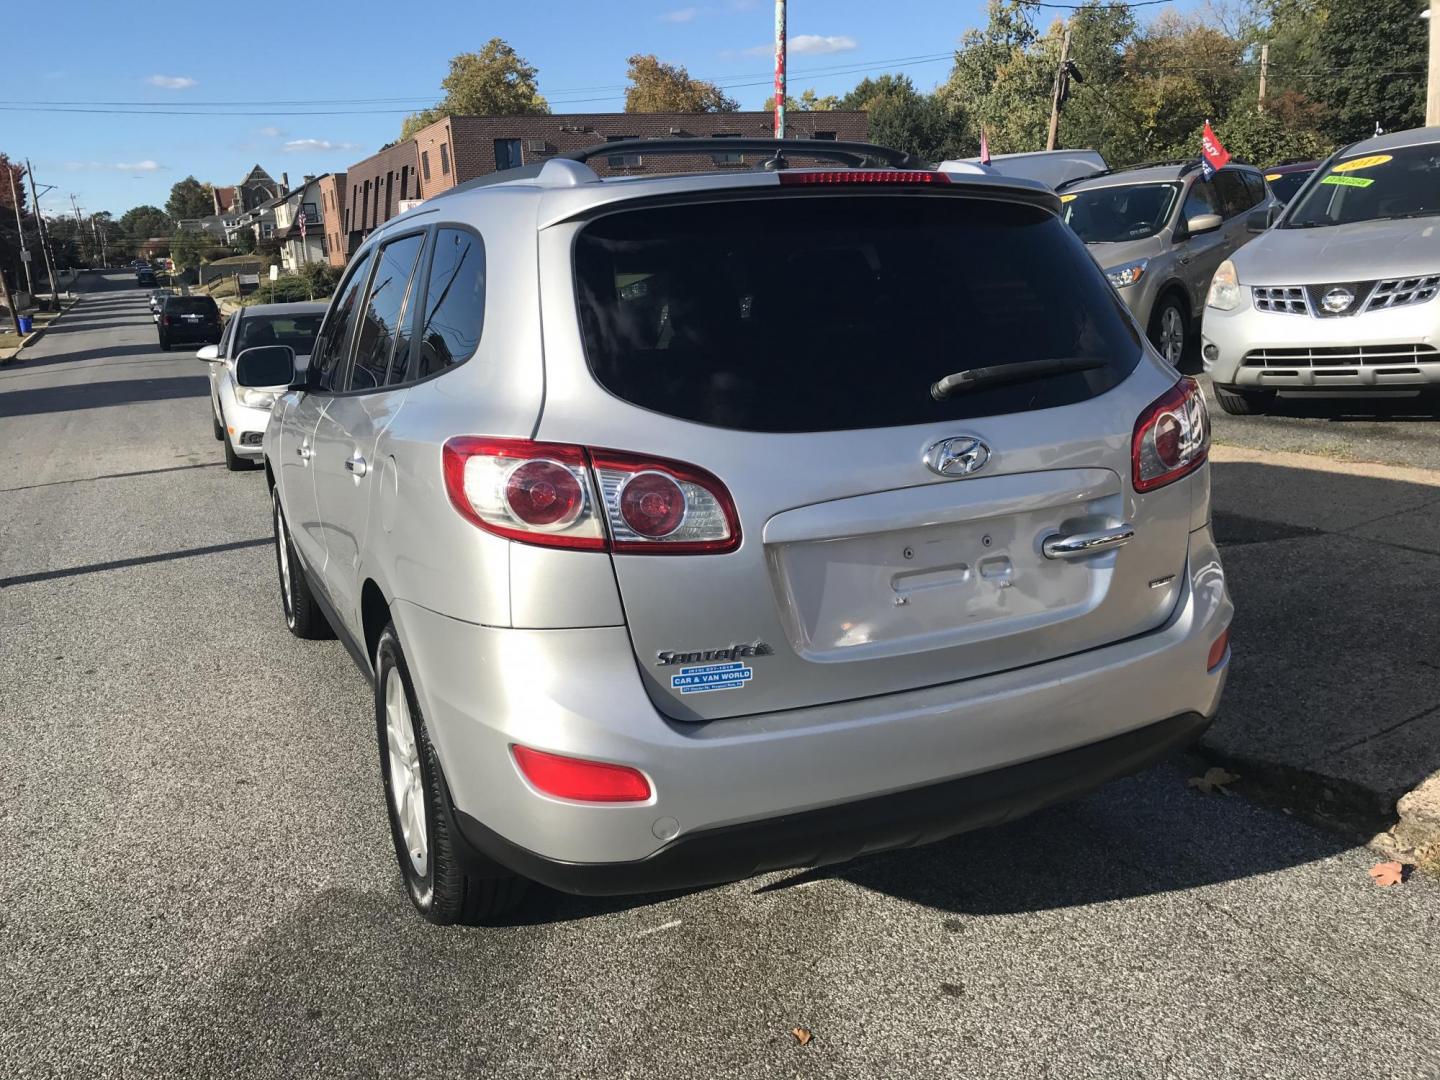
point(808, 101)
point(1374, 53)
point(245, 242)
point(189, 198)
point(495, 81)
point(187, 248)
point(143, 222)
point(656, 86)
point(904, 118)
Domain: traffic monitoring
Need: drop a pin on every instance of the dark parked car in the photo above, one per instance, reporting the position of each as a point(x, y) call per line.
point(1285, 180)
point(144, 278)
point(193, 319)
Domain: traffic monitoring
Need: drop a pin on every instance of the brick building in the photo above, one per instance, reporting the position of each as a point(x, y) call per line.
point(460, 148)
point(332, 209)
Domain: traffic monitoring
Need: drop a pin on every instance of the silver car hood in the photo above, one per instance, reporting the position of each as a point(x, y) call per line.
point(1118, 254)
point(1363, 251)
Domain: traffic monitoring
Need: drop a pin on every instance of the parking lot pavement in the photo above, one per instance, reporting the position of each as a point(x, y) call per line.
point(196, 877)
point(1393, 431)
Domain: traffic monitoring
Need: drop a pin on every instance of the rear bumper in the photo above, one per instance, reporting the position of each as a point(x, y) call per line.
point(837, 833)
point(578, 692)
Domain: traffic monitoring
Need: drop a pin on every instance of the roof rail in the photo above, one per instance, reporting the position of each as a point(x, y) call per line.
point(1186, 165)
point(855, 154)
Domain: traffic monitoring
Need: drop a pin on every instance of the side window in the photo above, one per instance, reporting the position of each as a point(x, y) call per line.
point(330, 359)
point(1255, 185)
point(1234, 197)
point(380, 324)
point(227, 336)
point(1203, 198)
point(454, 310)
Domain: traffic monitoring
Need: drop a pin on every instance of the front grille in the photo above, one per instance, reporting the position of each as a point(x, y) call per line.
point(1341, 356)
point(1287, 299)
point(1398, 292)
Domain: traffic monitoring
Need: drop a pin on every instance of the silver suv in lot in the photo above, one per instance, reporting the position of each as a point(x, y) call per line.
point(1338, 297)
point(1160, 231)
point(693, 526)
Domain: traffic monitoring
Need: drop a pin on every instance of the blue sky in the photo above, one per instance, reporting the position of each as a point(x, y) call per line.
point(101, 53)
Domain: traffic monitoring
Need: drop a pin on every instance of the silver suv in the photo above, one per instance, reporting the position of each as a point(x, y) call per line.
point(692, 526)
point(1339, 296)
point(1159, 232)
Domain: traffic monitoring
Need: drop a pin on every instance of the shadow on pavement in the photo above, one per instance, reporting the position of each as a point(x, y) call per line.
point(107, 352)
point(1424, 408)
point(100, 395)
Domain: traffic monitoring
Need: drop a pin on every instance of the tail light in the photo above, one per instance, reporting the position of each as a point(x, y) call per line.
point(1218, 648)
point(1172, 437)
point(862, 176)
point(165, 319)
point(576, 778)
point(558, 495)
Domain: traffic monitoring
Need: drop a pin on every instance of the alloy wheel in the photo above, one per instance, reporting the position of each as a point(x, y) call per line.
point(407, 786)
point(1172, 335)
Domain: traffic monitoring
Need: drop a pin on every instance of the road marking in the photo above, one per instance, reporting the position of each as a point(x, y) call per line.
point(656, 929)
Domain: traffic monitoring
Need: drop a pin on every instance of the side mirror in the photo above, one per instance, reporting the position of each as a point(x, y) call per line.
point(1203, 223)
point(266, 366)
point(210, 354)
point(1260, 220)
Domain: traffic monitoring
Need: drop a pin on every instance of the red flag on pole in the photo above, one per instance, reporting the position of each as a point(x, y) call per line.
point(1214, 155)
point(984, 146)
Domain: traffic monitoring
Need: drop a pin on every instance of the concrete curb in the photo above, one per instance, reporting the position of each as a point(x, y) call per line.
point(8, 355)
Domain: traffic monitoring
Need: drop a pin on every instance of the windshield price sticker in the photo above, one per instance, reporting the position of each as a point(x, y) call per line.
point(1068, 198)
point(1272, 177)
point(1362, 163)
point(1348, 181)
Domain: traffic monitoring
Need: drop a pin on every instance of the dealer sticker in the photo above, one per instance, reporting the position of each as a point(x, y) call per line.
point(709, 677)
point(1348, 181)
point(1363, 163)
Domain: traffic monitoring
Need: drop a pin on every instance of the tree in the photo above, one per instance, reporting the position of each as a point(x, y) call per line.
point(656, 86)
point(143, 222)
point(1267, 138)
point(245, 242)
point(186, 248)
point(905, 119)
point(495, 81)
point(190, 199)
point(1374, 53)
point(808, 101)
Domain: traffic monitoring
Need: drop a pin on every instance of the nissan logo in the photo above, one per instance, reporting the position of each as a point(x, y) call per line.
point(1337, 300)
point(963, 455)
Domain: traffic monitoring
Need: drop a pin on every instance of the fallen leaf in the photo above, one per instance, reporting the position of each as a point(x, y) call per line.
point(1214, 780)
point(1388, 873)
point(802, 1035)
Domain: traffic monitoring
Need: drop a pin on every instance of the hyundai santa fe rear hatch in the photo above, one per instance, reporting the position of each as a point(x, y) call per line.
point(868, 531)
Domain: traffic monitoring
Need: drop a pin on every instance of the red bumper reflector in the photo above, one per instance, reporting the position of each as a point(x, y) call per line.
point(1218, 650)
point(581, 780)
point(862, 176)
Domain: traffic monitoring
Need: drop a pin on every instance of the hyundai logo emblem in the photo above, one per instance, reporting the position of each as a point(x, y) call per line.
point(960, 456)
point(1337, 300)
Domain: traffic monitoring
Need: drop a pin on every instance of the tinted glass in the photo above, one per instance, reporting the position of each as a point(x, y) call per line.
point(454, 302)
point(1403, 182)
point(1255, 186)
point(379, 327)
point(337, 328)
point(297, 331)
point(1204, 198)
point(811, 314)
point(1112, 215)
point(1234, 196)
point(191, 305)
point(1285, 185)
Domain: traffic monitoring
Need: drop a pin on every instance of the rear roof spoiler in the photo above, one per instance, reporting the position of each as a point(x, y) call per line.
point(855, 154)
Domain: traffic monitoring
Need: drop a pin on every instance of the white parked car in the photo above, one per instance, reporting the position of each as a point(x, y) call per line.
point(239, 414)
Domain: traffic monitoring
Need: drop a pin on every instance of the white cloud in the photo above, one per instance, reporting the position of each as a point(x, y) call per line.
point(680, 15)
point(148, 165)
point(299, 146)
point(171, 82)
point(820, 45)
point(269, 132)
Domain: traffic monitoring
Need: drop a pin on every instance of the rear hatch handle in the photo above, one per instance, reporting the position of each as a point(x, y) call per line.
point(1056, 546)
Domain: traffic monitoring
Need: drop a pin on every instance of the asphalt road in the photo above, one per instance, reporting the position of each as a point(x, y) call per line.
point(196, 878)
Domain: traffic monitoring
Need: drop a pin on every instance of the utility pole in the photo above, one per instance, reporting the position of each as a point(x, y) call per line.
point(20, 229)
point(1061, 79)
point(44, 237)
point(1264, 73)
point(780, 68)
point(1432, 81)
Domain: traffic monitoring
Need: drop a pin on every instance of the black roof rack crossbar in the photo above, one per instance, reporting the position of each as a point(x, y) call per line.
point(848, 153)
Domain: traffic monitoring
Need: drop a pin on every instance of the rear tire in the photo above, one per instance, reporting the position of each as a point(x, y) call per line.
point(1169, 330)
point(164, 344)
point(443, 889)
point(302, 613)
point(1244, 402)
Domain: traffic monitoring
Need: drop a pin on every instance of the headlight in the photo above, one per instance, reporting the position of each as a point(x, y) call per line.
point(256, 399)
point(1224, 288)
point(1127, 274)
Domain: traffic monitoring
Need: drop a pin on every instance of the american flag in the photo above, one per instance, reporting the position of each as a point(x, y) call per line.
point(301, 221)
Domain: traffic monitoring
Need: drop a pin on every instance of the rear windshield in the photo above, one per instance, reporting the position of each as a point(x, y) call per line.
point(190, 305)
point(835, 313)
point(297, 331)
point(1115, 215)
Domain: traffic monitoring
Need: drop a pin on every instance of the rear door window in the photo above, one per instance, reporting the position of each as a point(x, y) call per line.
point(840, 312)
point(454, 309)
point(379, 326)
point(1234, 196)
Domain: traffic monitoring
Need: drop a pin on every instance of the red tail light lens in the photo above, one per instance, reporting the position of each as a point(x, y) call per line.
point(1218, 650)
point(558, 495)
point(1172, 437)
point(861, 176)
point(165, 319)
point(581, 780)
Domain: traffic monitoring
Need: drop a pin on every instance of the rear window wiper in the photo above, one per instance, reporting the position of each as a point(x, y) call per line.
point(978, 378)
